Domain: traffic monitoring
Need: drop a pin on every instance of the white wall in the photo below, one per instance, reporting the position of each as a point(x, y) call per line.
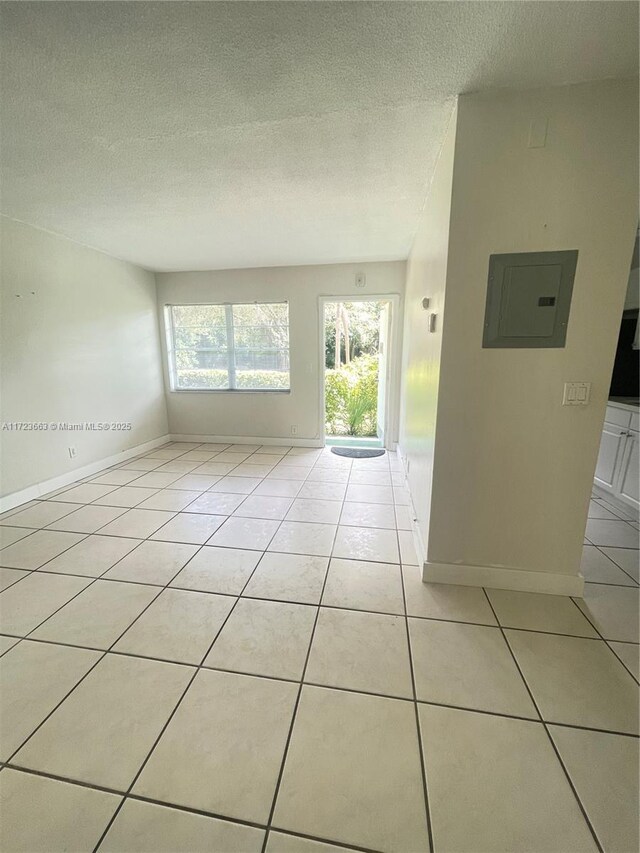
point(512, 467)
point(264, 414)
point(426, 276)
point(80, 342)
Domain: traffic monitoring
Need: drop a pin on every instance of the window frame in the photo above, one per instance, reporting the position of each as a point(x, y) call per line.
point(228, 306)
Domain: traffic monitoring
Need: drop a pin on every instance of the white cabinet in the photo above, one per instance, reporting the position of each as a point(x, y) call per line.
point(611, 447)
point(617, 469)
point(629, 485)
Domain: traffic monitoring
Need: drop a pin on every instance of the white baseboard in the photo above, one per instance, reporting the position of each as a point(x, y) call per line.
point(250, 439)
point(503, 578)
point(38, 489)
point(625, 508)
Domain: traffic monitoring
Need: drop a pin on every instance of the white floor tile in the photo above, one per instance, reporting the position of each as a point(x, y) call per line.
point(41, 514)
point(281, 843)
point(9, 535)
point(41, 815)
point(322, 491)
point(248, 470)
point(288, 577)
point(267, 638)
point(367, 543)
point(328, 475)
point(236, 485)
point(172, 500)
point(36, 550)
point(190, 527)
point(502, 761)
point(223, 748)
point(194, 482)
point(92, 556)
point(369, 494)
point(304, 537)
point(254, 533)
point(142, 827)
point(152, 562)
point(613, 610)
point(278, 488)
point(87, 519)
point(261, 506)
point(10, 576)
point(220, 468)
point(179, 625)
point(408, 553)
point(86, 493)
point(370, 478)
point(556, 614)
point(404, 519)
point(469, 666)
point(368, 515)
point(604, 770)
point(627, 558)
point(175, 466)
point(288, 472)
point(216, 503)
point(137, 523)
point(361, 651)
point(142, 464)
point(96, 618)
point(611, 533)
point(349, 756)
point(118, 477)
point(445, 601)
point(361, 585)
point(223, 570)
point(577, 681)
point(26, 604)
point(34, 678)
point(313, 509)
point(160, 479)
point(598, 568)
point(596, 510)
point(104, 730)
point(126, 496)
point(629, 654)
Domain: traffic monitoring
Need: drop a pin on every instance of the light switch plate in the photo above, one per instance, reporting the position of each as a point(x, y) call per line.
point(576, 393)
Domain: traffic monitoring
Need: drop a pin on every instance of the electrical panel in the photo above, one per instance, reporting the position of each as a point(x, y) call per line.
point(528, 299)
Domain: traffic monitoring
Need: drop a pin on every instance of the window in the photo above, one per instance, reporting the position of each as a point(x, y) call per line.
point(242, 347)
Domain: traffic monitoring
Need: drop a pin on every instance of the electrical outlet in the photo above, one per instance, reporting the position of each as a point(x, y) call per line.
point(294, 429)
point(72, 453)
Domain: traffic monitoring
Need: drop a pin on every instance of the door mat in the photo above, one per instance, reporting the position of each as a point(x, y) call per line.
point(358, 452)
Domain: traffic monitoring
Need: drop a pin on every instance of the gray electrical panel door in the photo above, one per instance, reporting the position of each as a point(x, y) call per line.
point(528, 299)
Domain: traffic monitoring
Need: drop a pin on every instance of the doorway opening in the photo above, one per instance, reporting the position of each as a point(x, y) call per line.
point(356, 338)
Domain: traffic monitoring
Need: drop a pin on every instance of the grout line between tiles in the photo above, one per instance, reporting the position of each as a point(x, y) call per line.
point(423, 767)
point(172, 714)
point(178, 807)
point(102, 656)
point(360, 691)
point(298, 697)
point(546, 728)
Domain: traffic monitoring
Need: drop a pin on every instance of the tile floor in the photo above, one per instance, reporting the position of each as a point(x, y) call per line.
point(229, 648)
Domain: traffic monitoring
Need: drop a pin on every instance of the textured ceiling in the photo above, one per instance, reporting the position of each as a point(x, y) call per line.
point(213, 135)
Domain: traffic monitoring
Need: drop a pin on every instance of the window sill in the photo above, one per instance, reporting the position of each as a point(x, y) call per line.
point(230, 391)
